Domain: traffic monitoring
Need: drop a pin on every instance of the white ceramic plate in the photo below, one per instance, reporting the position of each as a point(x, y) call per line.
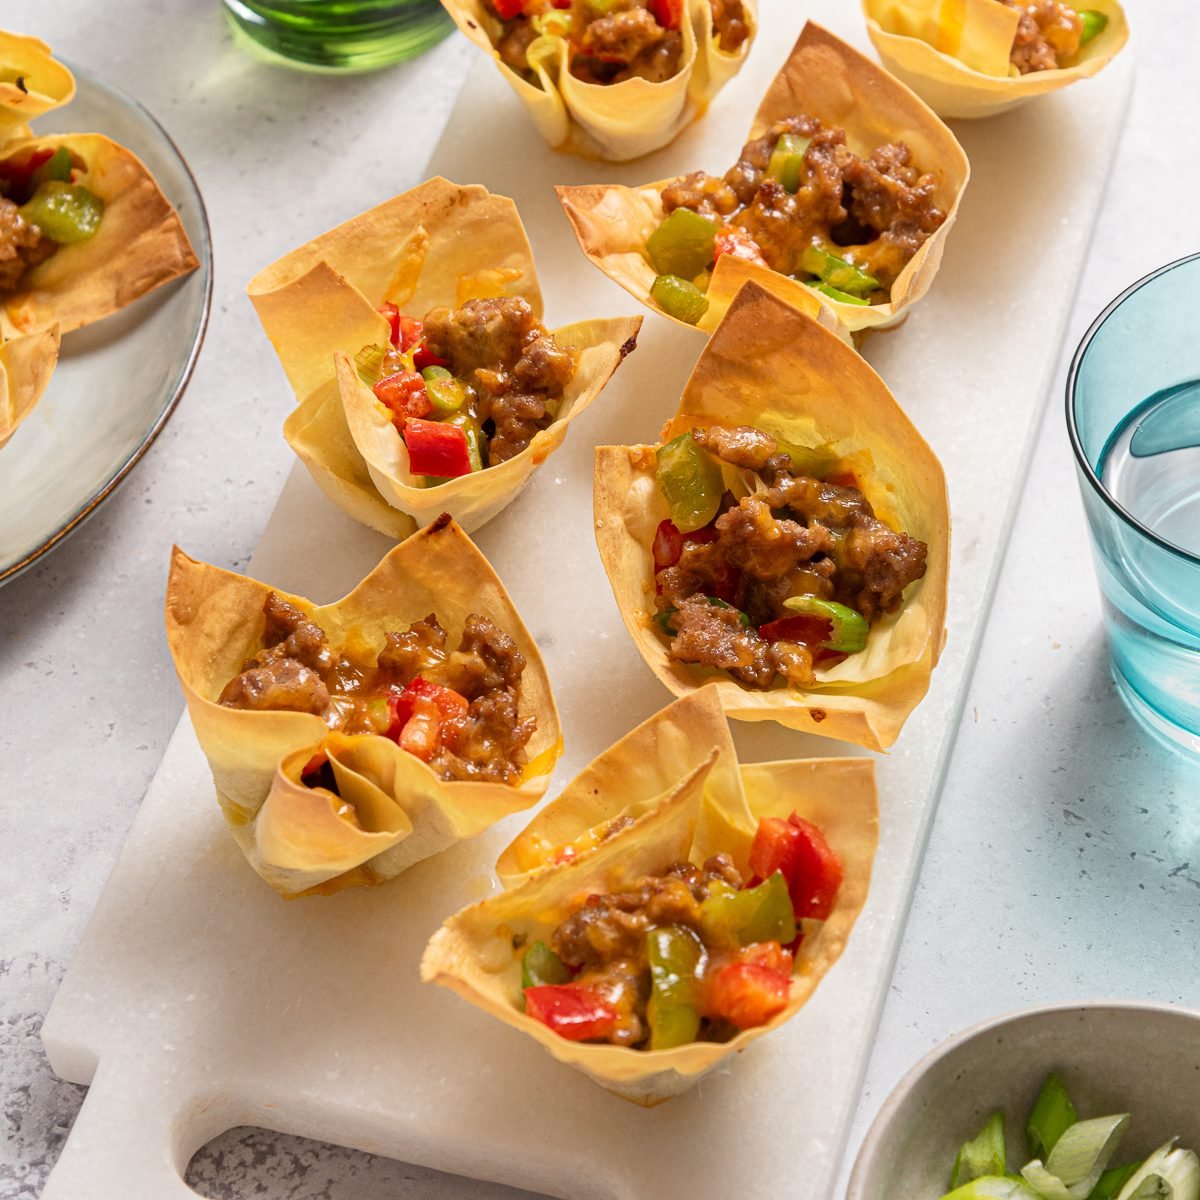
point(116, 382)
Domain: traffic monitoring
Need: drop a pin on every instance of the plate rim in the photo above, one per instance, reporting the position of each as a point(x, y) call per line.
point(205, 255)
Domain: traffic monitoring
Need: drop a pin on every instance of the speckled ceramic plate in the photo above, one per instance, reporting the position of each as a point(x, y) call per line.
point(116, 382)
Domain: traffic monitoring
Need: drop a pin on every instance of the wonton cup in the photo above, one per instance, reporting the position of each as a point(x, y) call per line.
point(140, 244)
point(688, 802)
point(770, 366)
point(614, 121)
point(439, 244)
point(824, 78)
point(955, 53)
point(26, 364)
point(291, 834)
point(44, 83)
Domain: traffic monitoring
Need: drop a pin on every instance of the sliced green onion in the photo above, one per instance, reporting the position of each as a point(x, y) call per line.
point(368, 362)
point(1073, 1168)
point(717, 602)
point(984, 1155)
point(1053, 1114)
point(554, 23)
point(663, 620)
point(839, 273)
point(1166, 1175)
point(1113, 1180)
point(994, 1187)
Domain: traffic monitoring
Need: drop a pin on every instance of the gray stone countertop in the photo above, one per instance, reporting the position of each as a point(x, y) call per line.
point(1065, 859)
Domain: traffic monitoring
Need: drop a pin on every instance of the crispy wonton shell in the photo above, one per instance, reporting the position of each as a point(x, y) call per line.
point(955, 53)
point(681, 810)
point(44, 82)
point(291, 834)
point(770, 366)
point(439, 244)
point(825, 78)
point(616, 121)
point(140, 244)
point(26, 364)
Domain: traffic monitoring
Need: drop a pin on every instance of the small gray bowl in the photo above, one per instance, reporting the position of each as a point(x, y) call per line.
point(1142, 1059)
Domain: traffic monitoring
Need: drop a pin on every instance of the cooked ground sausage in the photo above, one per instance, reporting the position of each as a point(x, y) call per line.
point(22, 246)
point(1048, 35)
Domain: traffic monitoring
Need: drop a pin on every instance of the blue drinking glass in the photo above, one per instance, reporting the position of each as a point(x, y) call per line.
point(1133, 415)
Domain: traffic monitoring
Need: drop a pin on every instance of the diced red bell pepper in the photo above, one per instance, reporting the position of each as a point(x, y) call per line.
point(314, 764)
point(392, 314)
point(507, 9)
point(404, 394)
point(561, 3)
point(737, 243)
point(771, 955)
point(451, 706)
point(19, 171)
point(435, 448)
point(747, 994)
point(668, 13)
point(812, 631)
point(573, 1011)
point(668, 546)
point(702, 537)
point(422, 732)
point(798, 848)
point(424, 357)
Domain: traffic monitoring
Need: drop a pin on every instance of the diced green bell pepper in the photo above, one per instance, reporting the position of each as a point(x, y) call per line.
point(603, 7)
point(1053, 1114)
point(445, 392)
point(850, 628)
point(378, 716)
point(682, 245)
point(679, 299)
point(985, 1155)
point(787, 161)
point(814, 461)
point(691, 481)
point(541, 966)
point(834, 294)
point(65, 212)
point(1109, 1186)
point(674, 953)
point(663, 620)
point(759, 914)
point(839, 274)
point(1094, 24)
point(57, 166)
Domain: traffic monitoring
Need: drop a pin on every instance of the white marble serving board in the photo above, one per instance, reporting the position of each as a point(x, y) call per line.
point(199, 1001)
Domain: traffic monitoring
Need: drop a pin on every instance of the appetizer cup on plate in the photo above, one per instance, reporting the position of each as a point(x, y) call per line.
point(26, 364)
point(787, 544)
point(670, 906)
point(413, 340)
point(842, 199)
point(32, 82)
point(348, 741)
point(611, 80)
point(89, 229)
point(976, 58)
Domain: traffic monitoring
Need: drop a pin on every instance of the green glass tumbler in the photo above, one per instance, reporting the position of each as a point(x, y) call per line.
point(338, 35)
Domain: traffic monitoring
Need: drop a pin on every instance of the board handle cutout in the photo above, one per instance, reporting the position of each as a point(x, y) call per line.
point(135, 1135)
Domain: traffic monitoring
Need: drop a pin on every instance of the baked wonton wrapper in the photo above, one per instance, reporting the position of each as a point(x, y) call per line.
point(615, 121)
point(32, 82)
point(439, 244)
point(772, 367)
point(292, 834)
point(26, 364)
point(678, 776)
point(824, 78)
point(955, 53)
point(141, 243)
